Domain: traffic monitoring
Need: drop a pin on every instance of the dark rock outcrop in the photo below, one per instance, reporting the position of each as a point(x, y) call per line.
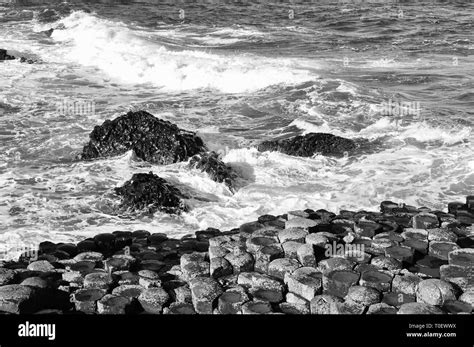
point(310, 144)
point(147, 191)
point(210, 163)
point(152, 139)
point(5, 56)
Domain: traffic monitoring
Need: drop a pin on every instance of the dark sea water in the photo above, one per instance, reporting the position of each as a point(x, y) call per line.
point(237, 73)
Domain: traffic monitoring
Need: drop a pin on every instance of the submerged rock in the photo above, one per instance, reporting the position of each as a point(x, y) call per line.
point(148, 191)
point(152, 139)
point(5, 56)
point(211, 164)
point(310, 144)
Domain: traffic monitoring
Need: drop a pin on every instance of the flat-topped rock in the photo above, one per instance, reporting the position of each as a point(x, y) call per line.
point(308, 225)
point(441, 249)
point(406, 283)
point(324, 304)
point(362, 295)
point(376, 279)
point(18, 299)
point(6, 276)
point(153, 299)
point(279, 267)
point(258, 280)
point(462, 257)
point(204, 291)
point(338, 282)
point(418, 308)
point(305, 282)
point(292, 234)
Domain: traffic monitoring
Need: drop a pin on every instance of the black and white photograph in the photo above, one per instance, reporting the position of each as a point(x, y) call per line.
point(304, 165)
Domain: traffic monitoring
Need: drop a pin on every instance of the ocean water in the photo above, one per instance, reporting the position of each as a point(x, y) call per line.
point(237, 73)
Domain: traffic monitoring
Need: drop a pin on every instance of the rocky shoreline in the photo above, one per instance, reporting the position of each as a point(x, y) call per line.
point(401, 260)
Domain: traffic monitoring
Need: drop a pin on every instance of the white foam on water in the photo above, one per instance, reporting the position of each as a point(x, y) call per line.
point(128, 57)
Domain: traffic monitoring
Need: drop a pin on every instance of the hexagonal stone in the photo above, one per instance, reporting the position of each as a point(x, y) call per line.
point(41, 265)
point(217, 252)
point(338, 282)
point(231, 302)
point(337, 263)
point(195, 269)
point(435, 292)
point(365, 296)
point(292, 308)
point(204, 293)
point(99, 280)
point(406, 283)
point(416, 245)
point(456, 306)
point(130, 291)
point(84, 267)
point(306, 256)
point(290, 248)
point(89, 256)
point(376, 279)
point(15, 298)
point(403, 254)
point(306, 224)
point(220, 267)
point(258, 280)
point(85, 300)
point(279, 267)
point(441, 249)
point(305, 282)
point(148, 279)
point(324, 304)
point(468, 297)
point(381, 308)
point(256, 307)
point(348, 307)
point(463, 277)
point(128, 278)
point(219, 241)
point(36, 282)
point(241, 261)
point(462, 257)
point(6, 276)
point(182, 294)
point(268, 295)
point(316, 239)
point(179, 308)
point(386, 263)
point(367, 228)
point(153, 300)
point(112, 304)
point(255, 243)
point(265, 255)
point(118, 263)
point(292, 234)
point(440, 234)
point(429, 266)
point(415, 234)
point(425, 221)
point(194, 257)
point(153, 265)
point(419, 308)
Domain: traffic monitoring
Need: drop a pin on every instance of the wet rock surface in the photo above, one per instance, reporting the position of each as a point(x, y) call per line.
point(310, 144)
point(249, 270)
point(151, 193)
point(152, 139)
